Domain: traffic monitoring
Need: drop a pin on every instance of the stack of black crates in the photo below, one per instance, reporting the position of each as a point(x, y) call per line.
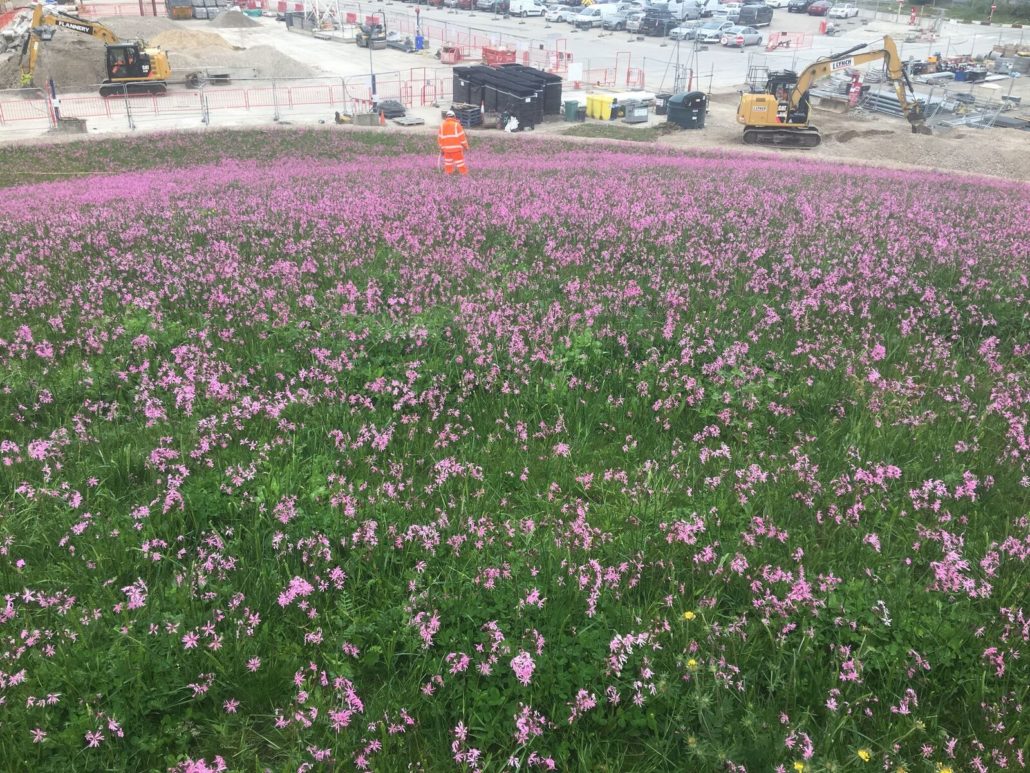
point(524, 92)
point(468, 115)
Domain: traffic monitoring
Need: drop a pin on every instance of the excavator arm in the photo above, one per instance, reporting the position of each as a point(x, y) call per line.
point(45, 23)
point(852, 58)
point(42, 19)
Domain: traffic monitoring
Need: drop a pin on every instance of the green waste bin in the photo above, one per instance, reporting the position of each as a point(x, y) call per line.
point(571, 110)
point(688, 110)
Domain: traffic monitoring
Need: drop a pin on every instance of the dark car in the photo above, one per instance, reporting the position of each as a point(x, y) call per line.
point(657, 21)
point(799, 6)
point(755, 16)
point(819, 8)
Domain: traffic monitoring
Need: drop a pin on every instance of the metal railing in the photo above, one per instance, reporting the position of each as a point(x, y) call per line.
point(239, 101)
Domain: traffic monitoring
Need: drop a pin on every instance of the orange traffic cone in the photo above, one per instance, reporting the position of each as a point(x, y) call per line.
point(382, 118)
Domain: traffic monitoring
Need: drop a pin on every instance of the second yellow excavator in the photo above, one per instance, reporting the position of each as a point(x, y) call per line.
point(780, 115)
point(131, 67)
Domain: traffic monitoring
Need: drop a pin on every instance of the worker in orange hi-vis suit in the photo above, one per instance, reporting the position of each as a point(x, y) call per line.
point(453, 144)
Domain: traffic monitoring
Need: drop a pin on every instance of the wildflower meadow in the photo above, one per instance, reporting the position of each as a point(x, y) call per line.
point(606, 458)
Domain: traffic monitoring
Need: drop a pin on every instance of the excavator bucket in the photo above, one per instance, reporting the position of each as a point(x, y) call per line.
point(917, 119)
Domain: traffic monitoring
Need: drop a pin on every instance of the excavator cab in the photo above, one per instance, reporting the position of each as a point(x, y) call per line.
point(131, 69)
point(127, 62)
point(781, 85)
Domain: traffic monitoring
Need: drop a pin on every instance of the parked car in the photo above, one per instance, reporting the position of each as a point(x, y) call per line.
point(819, 8)
point(686, 31)
point(777, 3)
point(618, 20)
point(634, 20)
point(798, 6)
point(843, 11)
point(594, 15)
point(712, 31)
point(526, 8)
point(728, 13)
point(497, 6)
point(657, 21)
point(465, 5)
point(756, 15)
point(738, 37)
point(557, 13)
point(688, 9)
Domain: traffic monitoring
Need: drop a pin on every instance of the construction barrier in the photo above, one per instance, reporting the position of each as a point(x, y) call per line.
point(791, 40)
point(419, 87)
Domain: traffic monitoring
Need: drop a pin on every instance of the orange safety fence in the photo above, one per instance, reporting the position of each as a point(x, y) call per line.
point(600, 76)
point(789, 40)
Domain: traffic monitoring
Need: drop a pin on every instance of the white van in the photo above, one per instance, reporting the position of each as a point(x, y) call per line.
point(684, 10)
point(594, 15)
point(526, 8)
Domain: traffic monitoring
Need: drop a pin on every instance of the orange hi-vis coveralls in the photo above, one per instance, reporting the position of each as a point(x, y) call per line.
point(453, 144)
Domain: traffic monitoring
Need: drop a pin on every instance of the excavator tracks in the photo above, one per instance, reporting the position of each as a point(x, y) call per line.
point(782, 137)
point(133, 88)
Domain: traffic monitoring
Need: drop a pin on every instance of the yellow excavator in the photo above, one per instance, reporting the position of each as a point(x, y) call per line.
point(131, 67)
point(779, 115)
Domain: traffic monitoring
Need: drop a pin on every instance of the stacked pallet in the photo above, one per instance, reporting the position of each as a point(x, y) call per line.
point(468, 115)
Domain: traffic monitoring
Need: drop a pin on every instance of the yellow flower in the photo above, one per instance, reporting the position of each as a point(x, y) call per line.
point(901, 769)
point(688, 615)
point(944, 768)
point(865, 755)
point(691, 664)
point(799, 767)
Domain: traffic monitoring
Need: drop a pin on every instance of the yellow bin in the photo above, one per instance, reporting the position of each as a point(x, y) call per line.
point(603, 107)
point(591, 106)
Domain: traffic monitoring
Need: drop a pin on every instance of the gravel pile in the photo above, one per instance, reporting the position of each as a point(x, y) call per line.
point(234, 19)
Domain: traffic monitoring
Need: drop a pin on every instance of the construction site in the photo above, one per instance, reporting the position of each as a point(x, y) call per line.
point(963, 88)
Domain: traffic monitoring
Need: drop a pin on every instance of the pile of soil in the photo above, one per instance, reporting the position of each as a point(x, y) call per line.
point(188, 40)
point(265, 61)
point(9, 74)
point(234, 19)
point(75, 62)
point(850, 134)
point(138, 27)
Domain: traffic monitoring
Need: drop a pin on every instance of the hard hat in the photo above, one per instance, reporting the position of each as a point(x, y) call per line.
point(450, 114)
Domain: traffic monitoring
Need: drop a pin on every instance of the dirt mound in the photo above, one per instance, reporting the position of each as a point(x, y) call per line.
point(850, 134)
point(9, 75)
point(265, 61)
point(234, 19)
point(138, 28)
point(177, 40)
point(76, 64)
